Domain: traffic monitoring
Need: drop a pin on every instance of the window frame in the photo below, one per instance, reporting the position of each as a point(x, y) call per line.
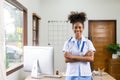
point(35, 29)
point(24, 9)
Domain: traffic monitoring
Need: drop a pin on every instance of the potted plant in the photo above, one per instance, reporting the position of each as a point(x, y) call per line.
point(114, 48)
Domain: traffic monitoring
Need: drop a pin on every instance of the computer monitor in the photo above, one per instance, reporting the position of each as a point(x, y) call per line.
point(44, 56)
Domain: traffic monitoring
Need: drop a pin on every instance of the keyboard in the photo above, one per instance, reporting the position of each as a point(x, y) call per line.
point(53, 76)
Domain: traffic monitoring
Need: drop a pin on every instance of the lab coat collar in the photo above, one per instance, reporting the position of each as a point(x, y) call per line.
point(74, 39)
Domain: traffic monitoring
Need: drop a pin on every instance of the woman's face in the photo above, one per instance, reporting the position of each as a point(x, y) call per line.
point(78, 29)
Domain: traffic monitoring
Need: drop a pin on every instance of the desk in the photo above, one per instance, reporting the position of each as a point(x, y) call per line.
point(104, 77)
point(29, 78)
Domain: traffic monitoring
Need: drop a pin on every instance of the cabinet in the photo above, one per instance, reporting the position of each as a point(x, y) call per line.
point(114, 68)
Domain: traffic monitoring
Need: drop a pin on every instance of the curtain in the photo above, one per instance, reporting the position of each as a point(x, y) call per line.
point(2, 44)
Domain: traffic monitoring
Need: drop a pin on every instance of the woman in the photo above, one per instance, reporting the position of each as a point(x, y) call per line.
point(78, 51)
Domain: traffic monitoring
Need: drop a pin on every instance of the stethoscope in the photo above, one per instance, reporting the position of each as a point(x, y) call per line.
point(71, 44)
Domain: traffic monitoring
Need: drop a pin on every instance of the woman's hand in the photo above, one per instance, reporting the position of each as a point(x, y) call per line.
point(89, 57)
point(68, 55)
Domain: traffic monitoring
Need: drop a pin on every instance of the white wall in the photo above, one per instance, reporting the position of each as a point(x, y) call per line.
point(59, 10)
point(2, 42)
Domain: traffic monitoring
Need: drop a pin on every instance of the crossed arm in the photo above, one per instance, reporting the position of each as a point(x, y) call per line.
point(89, 57)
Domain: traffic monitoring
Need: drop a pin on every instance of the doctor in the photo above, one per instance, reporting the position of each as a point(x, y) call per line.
point(78, 51)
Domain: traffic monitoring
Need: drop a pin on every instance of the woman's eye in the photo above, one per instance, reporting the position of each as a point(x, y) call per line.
point(77, 27)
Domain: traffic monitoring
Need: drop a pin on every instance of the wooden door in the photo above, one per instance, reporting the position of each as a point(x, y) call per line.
point(102, 33)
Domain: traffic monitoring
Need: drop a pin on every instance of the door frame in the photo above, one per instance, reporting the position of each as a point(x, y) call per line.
point(101, 21)
point(89, 29)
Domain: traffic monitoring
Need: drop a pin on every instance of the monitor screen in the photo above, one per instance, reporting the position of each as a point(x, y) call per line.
point(44, 55)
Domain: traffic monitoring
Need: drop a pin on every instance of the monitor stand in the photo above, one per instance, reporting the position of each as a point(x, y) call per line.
point(36, 73)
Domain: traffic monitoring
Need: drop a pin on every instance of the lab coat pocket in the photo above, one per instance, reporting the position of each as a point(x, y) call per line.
point(71, 69)
point(85, 69)
point(75, 69)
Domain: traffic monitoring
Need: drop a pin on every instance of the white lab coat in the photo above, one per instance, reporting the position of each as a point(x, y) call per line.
point(78, 68)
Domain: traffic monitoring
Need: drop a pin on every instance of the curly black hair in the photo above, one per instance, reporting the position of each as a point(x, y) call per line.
point(77, 17)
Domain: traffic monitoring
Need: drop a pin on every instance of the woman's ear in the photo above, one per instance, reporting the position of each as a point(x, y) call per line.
point(83, 27)
point(73, 28)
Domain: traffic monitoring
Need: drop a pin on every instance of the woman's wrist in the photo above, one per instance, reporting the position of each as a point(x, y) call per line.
point(72, 57)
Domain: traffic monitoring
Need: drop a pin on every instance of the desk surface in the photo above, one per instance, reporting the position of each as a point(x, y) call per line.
point(29, 78)
point(103, 77)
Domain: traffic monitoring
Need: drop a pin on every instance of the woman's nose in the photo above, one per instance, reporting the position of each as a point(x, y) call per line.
point(77, 28)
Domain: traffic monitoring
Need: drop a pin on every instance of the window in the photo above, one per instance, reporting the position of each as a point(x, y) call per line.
point(35, 29)
point(15, 32)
